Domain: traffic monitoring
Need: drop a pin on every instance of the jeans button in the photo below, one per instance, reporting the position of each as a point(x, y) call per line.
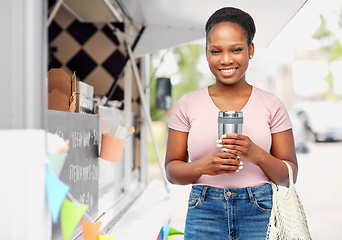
point(229, 193)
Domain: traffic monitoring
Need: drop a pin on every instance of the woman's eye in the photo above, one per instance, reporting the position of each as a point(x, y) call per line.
point(237, 50)
point(214, 51)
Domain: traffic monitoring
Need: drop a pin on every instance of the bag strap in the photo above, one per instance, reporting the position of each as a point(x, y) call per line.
point(290, 173)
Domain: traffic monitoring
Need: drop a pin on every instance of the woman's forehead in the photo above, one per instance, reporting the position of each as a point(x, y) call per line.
point(227, 32)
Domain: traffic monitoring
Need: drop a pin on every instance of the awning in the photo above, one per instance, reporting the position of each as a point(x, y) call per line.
point(175, 22)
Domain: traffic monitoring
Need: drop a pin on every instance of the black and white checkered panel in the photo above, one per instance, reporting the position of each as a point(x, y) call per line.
point(90, 49)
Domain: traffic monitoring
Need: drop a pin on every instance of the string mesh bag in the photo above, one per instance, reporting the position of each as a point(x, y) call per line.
point(288, 219)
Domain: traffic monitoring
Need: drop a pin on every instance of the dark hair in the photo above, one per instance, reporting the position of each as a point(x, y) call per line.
point(232, 15)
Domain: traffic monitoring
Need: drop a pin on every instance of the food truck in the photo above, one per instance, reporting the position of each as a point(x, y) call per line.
point(99, 51)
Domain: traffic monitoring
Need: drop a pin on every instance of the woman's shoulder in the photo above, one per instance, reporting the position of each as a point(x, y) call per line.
point(266, 96)
point(263, 93)
point(197, 92)
point(267, 99)
point(194, 95)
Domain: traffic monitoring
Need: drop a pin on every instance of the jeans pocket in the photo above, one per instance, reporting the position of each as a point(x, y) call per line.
point(194, 201)
point(264, 202)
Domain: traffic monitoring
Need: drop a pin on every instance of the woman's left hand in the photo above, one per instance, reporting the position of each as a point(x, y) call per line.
point(242, 146)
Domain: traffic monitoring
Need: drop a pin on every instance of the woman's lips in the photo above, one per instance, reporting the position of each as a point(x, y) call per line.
point(228, 72)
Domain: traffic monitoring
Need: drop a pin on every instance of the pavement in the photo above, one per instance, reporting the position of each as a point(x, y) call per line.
point(319, 187)
point(179, 202)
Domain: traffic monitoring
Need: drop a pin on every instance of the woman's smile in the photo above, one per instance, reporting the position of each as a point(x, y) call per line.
point(228, 53)
point(228, 72)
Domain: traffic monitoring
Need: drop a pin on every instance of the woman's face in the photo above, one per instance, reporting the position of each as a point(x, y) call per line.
point(228, 53)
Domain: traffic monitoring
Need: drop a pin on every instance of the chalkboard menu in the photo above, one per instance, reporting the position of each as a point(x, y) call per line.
point(81, 169)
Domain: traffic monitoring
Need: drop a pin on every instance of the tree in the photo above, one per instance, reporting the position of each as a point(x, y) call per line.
point(187, 58)
point(331, 43)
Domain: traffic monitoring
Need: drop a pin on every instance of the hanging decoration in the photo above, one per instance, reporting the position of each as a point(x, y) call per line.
point(56, 162)
point(71, 215)
point(105, 237)
point(56, 190)
point(167, 232)
point(90, 230)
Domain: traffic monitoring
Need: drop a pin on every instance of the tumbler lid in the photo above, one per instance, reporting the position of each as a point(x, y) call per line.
point(230, 114)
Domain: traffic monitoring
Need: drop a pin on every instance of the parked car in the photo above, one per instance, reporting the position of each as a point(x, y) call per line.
point(299, 132)
point(324, 119)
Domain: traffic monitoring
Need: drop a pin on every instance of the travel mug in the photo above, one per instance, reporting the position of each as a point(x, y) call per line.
point(229, 122)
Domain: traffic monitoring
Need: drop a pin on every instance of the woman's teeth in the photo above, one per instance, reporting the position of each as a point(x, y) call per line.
point(227, 70)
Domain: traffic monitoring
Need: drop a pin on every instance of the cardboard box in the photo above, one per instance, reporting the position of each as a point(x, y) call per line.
point(61, 90)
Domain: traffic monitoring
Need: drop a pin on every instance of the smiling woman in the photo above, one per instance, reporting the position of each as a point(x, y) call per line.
point(234, 183)
point(228, 53)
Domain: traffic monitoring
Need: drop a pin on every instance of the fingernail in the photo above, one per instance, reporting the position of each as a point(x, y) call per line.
point(241, 163)
point(219, 145)
point(219, 141)
point(237, 170)
point(241, 167)
point(224, 135)
point(224, 149)
point(238, 157)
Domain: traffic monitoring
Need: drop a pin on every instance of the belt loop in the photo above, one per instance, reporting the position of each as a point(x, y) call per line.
point(205, 188)
point(250, 194)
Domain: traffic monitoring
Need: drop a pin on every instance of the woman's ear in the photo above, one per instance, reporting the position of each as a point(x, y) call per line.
point(251, 50)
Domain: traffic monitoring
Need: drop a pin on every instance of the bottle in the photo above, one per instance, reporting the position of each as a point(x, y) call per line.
point(229, 122)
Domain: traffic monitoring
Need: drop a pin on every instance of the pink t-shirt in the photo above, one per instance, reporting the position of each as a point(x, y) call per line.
point(197, 114)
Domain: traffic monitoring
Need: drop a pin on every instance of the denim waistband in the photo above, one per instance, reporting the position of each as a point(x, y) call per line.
point(232, 193)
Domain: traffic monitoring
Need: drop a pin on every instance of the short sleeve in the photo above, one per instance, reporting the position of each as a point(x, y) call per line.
point(280, 119)
point(179, 119)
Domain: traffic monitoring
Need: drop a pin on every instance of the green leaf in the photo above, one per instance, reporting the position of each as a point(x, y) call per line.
point(336, 50)
point(322, 31)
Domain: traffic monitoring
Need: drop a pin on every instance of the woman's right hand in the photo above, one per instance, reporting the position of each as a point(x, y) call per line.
point(180, 171)
point(218, 163)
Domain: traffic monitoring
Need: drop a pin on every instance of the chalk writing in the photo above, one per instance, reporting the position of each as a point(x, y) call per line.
point(82, 139)
point(80, 173)
point(87, 198)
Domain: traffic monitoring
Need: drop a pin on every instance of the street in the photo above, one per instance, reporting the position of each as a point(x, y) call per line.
point(319, 187)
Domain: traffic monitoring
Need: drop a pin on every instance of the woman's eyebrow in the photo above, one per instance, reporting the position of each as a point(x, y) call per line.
point(233, 45)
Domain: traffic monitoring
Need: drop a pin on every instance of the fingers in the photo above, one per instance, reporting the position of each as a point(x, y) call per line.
point(231, 164)
point(236, 150)
point(232, 141)
point(227, 168)
point(236, 144)
point(233, 150)
point(231, 161)
point(222, 163)
point(232, 136)
point(225, 154)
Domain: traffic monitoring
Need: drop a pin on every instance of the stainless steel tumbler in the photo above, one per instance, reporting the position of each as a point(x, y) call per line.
point(229, 122)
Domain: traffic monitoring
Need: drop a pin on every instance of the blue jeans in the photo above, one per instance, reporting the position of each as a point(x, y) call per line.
point(237, 213)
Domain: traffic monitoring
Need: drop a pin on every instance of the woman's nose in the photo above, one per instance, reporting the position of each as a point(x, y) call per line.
point(226, 59)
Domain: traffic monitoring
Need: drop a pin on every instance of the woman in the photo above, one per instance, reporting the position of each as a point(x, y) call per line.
point(231, 197)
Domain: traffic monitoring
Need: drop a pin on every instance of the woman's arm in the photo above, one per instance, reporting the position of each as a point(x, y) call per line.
point(180, 171)
point(177, 168)
point(282, 148)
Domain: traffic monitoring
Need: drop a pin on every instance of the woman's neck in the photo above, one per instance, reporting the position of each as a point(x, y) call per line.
point(230, 97)
point(240, 88)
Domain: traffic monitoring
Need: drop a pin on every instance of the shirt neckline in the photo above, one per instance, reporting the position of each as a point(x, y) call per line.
point(244, 107)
